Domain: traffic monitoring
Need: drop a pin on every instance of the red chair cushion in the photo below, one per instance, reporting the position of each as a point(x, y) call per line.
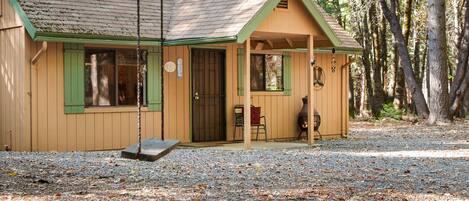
point(255, 115)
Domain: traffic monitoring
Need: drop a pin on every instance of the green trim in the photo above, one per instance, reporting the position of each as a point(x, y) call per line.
point(343, 50)
point(196, 41)
point(314, 11)
point(328, 50)
point(74, 78)
point(154, 80)
point(287, 86)
point(258, 18)
point(104, 41)
point(207, 47)
point(240, 72)
point(24, 18)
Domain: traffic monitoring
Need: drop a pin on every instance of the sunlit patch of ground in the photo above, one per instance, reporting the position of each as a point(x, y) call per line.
point(379, 161)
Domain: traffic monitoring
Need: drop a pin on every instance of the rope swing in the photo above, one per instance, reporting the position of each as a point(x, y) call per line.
point(139, 84)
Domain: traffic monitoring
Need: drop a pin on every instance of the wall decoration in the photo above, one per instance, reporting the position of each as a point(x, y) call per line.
point(319, 78)
point(170, 67)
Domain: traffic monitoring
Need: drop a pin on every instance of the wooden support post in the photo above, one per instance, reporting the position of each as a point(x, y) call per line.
point(310, 90)
point(247, 94)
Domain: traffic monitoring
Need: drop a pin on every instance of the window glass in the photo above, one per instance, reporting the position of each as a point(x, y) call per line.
point(273, 71)
point(127, 77)
point(257, 72)
point(100, 78)
point(266, 72)
point(111, 77)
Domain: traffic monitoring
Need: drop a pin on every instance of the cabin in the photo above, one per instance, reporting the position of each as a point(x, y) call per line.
point(68, 71)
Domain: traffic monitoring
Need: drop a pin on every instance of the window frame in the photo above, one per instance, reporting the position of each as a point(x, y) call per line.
point(116, 76)
point(264, 78)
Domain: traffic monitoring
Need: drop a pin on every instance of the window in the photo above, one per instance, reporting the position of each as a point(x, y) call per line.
point(283, 4)
point(111, 77)
point(266, 72)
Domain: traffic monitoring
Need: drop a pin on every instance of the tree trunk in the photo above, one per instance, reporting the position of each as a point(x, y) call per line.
point(399, 87)
point(414, 88)
point(417, 61)
point(363, 96)
point(465, 106)
point(351, 94)
point(367, 64)
point(384, 54)
point(439, 99)
point(408, 21)
point(378, 93)
point(462, 67)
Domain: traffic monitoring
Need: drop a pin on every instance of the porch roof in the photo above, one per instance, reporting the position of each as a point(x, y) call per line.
point(185, 21)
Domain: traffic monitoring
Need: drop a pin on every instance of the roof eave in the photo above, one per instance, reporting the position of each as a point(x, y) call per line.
point(202, 40)
point(316, 14)
point(93, 39)
point(32, 31)
point(254, 22)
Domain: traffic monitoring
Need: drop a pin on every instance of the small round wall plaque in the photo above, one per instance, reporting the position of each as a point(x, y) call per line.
point(169, 66)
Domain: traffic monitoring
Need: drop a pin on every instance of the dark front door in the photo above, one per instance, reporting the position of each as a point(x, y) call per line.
point(208, 95)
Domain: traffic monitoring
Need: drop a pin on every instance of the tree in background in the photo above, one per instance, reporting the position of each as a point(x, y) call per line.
point(437, 62)
point(393, 70)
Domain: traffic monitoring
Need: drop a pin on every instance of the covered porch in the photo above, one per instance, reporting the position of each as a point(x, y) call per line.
point(275, 42)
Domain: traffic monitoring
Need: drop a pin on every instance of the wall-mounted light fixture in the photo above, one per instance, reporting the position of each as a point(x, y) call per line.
point(334, 61)
point(179, 67)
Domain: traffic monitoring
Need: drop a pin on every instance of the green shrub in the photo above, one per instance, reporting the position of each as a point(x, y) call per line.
point(389, 111)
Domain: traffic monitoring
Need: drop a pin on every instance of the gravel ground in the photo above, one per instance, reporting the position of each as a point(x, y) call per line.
point(379, 161)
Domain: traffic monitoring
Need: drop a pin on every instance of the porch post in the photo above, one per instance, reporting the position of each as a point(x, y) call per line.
point(310, 90)
point(247, 94)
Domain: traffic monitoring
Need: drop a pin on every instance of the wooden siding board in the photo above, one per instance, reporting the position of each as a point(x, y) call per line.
point(71, 133)
point(62, 119)
point(116, 135)
point(81, 132)
point(89, 130)
point(99, 131)
point(50, 57)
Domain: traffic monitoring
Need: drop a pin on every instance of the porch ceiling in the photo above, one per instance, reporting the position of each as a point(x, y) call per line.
point(270, 41)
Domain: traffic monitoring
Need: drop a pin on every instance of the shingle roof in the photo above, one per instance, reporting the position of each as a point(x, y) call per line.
point(211, 18)
point(183, 19)
point(93, 17)
point(344, 37)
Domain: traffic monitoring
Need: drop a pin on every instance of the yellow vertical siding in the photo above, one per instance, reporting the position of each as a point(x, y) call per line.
point(14, 104)
point(114, 129)
point(281, 111)
point(96, 129)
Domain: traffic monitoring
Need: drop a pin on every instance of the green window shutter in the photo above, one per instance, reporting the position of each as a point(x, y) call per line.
point(74, 78)
point(287, 74)
point(240, 72)
point(154, 79)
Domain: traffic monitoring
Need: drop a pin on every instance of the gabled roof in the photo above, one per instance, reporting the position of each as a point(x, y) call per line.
point(185, 21)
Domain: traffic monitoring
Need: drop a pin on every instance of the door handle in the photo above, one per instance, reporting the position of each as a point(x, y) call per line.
point(196, 96)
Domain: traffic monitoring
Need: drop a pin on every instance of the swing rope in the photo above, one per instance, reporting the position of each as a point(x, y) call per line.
point(139, 84)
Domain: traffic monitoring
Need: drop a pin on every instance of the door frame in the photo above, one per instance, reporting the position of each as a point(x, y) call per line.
point(192, 47)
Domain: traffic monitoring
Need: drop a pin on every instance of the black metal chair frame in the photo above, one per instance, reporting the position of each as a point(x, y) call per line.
point(259, 126)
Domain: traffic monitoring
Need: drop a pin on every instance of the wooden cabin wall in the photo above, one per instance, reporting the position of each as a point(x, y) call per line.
point(101, 129)
point(96, 129)
point(115, 128)
point(281, 111)
point(14, 105)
